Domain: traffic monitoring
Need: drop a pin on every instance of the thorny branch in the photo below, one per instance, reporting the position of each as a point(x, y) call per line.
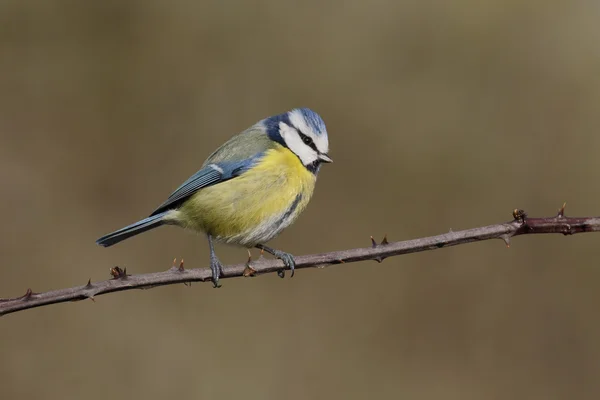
point(520, 225)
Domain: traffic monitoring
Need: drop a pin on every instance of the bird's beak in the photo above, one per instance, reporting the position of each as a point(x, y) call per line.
point(325, 158)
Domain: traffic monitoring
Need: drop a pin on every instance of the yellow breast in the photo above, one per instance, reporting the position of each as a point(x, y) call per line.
point(254, 207)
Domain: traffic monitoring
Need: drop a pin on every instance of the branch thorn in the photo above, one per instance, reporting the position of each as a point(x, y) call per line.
point(181, 268)
point(385, 240)
point(379, 259)
point(89, 284)
point(373, 242)
point(506, 239)
point(561, 211)
point(28, 294)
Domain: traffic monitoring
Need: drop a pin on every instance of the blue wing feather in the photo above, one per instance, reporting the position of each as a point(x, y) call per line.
point(207, 176)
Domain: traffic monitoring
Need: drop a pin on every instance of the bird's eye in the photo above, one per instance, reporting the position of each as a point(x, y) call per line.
point(307, 140)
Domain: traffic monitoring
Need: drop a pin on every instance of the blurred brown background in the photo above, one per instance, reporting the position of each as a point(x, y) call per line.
point(442, 115)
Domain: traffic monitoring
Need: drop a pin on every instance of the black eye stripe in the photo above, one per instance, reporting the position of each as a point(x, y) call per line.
point(311, 144)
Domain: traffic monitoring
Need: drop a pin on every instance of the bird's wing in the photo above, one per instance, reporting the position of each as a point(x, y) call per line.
point(209, 175)
point(230, 160)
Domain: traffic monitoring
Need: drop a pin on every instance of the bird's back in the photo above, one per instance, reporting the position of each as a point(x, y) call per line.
point(242, 146)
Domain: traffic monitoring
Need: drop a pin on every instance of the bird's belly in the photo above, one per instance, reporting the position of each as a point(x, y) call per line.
point(252, 208)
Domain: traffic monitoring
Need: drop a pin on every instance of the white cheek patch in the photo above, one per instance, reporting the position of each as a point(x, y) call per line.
point(295, 144)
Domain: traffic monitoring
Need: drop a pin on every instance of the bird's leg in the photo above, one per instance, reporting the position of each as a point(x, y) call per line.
point(215, 264)
point(287, 258)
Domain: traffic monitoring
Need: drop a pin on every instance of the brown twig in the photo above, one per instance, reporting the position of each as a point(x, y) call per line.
point(520, 225)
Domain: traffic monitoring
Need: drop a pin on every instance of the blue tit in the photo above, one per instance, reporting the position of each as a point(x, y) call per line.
point(248, 190)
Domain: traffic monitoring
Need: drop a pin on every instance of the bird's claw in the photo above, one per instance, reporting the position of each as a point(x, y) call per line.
point(217, 269)
point(287, 259)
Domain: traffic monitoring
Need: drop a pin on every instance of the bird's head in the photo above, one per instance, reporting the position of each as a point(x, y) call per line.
point(303, 132)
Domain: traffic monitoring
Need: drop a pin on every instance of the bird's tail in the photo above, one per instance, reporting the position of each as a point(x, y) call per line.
point(132, 230)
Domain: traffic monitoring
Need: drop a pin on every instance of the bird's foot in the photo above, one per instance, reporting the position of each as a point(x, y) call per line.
point(287, 259)
point(217, 269)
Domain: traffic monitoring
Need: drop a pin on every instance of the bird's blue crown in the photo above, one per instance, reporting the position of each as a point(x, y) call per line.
point(313, 120)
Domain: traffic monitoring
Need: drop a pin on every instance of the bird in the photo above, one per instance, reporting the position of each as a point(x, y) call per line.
point(248, 190)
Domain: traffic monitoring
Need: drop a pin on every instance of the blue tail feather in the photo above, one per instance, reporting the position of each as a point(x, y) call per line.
point(132, 230)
